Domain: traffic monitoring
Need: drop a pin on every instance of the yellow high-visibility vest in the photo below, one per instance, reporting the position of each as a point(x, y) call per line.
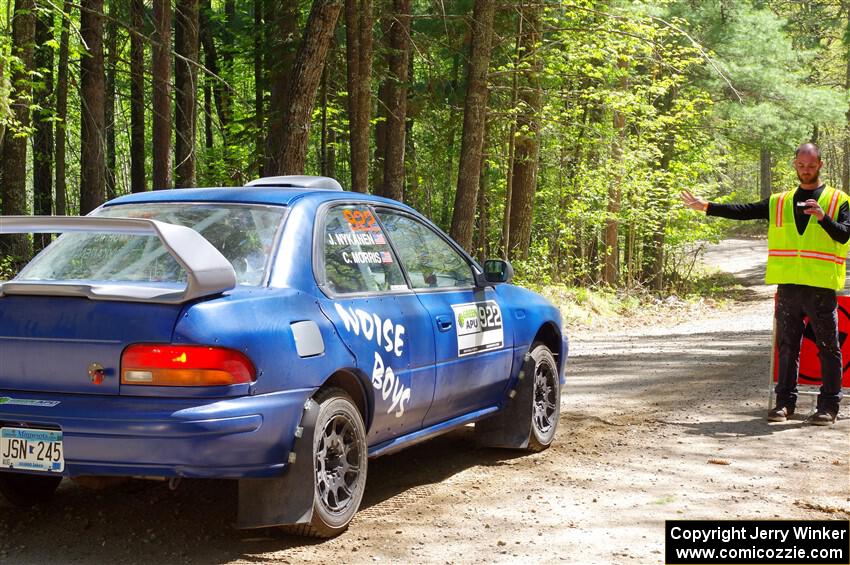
point(812, 259)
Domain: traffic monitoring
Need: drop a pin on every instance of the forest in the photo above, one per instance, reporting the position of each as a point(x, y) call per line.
point(555, 133)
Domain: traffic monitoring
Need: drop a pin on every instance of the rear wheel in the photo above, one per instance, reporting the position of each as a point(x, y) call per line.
point(339, 463)
point(27, 490)
point(546, 399)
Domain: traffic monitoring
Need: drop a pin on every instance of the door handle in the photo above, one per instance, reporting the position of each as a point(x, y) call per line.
point(444, 323)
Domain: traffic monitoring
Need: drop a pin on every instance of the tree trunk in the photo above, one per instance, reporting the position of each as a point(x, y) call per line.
point(306, 74)
point(661, 205)
point(329, 145)
point(377, 174)
point(42, 126)
point(208, 123)
point(260, 34)
point(764, 173)
point(527, 142)
point(451, 128)
point(42, 142)
point(236, 171)
point(474, 118)
point(138, 182)
point(412, 190)
point(161, 70)
point(186, 94)
point(4, 104)
point(62, 113)
point(280, 68)
point(504, 244)
point(14, 166)
point(220, 93)
point(611, 265)
point(228, 37)
point(358, 49)
point(92, 90)
point(323, 149)
point(482, 245)
point(109, 100)
point(207, 38)
point(393, 186)
point(611, 238)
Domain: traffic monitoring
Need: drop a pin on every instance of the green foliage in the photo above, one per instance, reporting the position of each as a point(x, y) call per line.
point(640, 101)
point(8, 269)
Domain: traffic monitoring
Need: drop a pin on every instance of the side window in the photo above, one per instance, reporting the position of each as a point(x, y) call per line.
point(357, 255)
point(430, 261)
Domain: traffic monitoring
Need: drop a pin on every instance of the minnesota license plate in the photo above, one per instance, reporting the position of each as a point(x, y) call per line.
point(31, 450)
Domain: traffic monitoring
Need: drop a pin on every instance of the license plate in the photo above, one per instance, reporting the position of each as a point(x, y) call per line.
point(31, 450)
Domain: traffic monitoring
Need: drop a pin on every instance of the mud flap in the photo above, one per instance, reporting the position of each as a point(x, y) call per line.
point(288, 499)
point(511, 426)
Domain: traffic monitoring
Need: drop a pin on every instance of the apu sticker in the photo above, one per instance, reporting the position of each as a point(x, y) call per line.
point(28, 402)
point(479, 327)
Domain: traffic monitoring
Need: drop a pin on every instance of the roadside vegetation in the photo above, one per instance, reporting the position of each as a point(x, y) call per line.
point(605, 308)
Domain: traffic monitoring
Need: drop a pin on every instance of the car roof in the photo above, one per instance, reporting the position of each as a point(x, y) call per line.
point(249, 195)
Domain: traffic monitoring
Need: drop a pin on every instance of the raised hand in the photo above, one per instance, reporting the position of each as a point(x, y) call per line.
point(694, 202)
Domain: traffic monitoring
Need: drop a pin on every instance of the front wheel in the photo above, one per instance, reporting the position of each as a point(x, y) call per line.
point(23, 490)
point(546, 399)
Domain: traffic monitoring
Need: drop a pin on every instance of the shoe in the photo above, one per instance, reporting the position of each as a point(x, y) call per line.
point(779, 414)
point(822, 418)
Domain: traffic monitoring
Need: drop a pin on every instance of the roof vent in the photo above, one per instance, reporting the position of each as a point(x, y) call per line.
point(298, 181)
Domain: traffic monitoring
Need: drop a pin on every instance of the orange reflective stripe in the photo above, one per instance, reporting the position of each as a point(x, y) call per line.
point(780, 206)
point(807, 254)
point(833, 204)
point(830, 258)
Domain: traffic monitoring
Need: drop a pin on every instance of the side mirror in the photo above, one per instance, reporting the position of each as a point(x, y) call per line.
point(498, 271)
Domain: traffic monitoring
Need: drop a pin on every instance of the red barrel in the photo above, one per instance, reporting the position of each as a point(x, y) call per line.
point(810, 371)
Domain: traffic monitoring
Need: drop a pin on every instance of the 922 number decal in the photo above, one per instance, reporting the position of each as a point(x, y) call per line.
point(360, 220)
point(489, 316)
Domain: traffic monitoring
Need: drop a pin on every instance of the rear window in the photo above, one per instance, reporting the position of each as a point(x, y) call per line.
point(243, 234)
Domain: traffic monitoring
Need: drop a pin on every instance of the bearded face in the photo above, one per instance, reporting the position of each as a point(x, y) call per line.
point(808, 167)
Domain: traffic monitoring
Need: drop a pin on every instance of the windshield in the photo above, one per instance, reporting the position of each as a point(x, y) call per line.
point(243, 234)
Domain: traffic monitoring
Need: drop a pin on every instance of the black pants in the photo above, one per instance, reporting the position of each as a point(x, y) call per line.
point(819, 304)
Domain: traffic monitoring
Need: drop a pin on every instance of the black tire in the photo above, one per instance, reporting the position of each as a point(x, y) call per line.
point(340, 459)
point(546, 399)
point(24, 491)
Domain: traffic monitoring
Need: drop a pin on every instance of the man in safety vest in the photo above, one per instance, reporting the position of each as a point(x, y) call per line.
point(807, 248)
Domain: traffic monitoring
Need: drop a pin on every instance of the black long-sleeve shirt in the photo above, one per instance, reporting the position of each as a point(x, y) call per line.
point(838, 229)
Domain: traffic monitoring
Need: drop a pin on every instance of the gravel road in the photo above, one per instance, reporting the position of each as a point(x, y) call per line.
point(660, 422)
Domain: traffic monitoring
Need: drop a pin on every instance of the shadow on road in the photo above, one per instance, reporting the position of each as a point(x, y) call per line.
point(756, 426)
point(193, 523)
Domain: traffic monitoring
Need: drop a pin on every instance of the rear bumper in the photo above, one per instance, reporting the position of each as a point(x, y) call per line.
point(241, 437)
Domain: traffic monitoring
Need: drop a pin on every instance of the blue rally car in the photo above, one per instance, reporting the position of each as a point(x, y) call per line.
point(279, 334)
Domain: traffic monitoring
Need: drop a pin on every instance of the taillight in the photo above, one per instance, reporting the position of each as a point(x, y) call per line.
point(184, 365)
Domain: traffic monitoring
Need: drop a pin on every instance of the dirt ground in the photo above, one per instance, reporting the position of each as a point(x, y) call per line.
point(658, 422)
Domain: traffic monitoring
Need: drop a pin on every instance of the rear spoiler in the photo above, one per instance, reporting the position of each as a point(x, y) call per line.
point(208, 272)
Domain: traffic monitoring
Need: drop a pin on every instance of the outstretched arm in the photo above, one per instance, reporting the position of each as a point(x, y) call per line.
point(753, 211)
